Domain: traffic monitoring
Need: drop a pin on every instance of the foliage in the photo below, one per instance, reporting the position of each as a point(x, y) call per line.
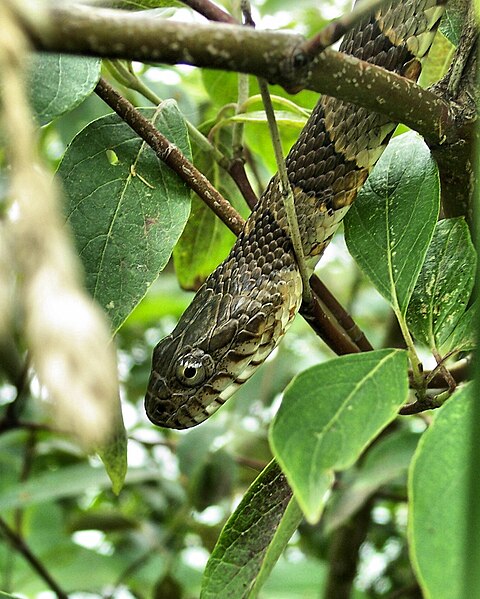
point(255, 501)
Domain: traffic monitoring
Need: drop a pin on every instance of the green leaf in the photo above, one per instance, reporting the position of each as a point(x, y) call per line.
point(7, 596)
point(58, 83)
point(453, 22)
point(437, 62)
point(125, 207)
point(222, 88)
point(389, 227)
point(114, 454)
point(464, 335)
point(330, 413)
point(277, 101)
point(65, 482)
point(205, 242)
point(439, 500)
point(288, 525)
point(444, 284)
point(385, 462)
point(246, 540)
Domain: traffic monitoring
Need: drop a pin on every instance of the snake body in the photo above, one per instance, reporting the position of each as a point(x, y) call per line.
point(246, 305)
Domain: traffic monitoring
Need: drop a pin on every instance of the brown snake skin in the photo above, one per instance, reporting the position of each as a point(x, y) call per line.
point(246, 305)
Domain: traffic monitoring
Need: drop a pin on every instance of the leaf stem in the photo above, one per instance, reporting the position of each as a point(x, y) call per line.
point(415, 362)
point(287, 192)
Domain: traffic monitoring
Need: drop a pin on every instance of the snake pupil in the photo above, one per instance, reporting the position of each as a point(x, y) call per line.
point(190, 372)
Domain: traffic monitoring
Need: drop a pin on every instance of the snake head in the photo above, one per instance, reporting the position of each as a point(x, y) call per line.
point(218, 343)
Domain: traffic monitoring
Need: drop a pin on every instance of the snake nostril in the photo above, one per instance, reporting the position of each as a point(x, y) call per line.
point(157, 388)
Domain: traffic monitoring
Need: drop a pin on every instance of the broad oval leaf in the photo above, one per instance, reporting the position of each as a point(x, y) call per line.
point(68, 481)
point(389, 227)
point(58, 83)
point(125, 207)
point(453, 22)
point(438, 60)
point(464, 335)
point(253, 538)
point(329, 414)
point(439, 500)
point(444, 284)
point(205, 242)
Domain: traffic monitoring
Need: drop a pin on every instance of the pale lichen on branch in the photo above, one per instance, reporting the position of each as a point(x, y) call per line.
point(269, 54)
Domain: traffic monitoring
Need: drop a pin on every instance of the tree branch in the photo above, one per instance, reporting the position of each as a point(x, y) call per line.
point(210, 11)
point(171, 155)
point(320, 320)
point(19, 544)
point(269, 54)
point(344, 553)
point(341, 316)
point(338, 27)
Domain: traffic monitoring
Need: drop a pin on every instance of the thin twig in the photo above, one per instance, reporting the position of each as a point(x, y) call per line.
point(427, 403)
point(284, 182)
point(344, 553)
point(322, 322)
point(210, 11)
point(171, 155)
point(338, 27)
point(19, 544)
point(287, 192)
point(236, 166)
point(236, 169)
point(239, 127)
point(461, 371)
point(233, 166)
point(318, 319)
point(243, 88)
point(451, 382)
point(343, 318)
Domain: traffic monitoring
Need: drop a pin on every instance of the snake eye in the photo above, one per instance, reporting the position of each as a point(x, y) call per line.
point(193, 368)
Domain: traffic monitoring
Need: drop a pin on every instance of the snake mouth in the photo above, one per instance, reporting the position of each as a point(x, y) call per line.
point(169, 414)
point(170, 409)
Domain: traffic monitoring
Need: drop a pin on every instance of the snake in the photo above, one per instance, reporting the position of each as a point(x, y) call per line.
point(246, 305)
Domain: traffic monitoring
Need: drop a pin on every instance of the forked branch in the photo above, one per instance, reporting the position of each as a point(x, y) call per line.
point(270, 54)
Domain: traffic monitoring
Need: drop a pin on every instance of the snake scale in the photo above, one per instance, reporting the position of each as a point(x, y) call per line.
point(246, 305)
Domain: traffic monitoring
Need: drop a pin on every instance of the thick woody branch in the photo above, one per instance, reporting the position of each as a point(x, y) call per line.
point(276, 56)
